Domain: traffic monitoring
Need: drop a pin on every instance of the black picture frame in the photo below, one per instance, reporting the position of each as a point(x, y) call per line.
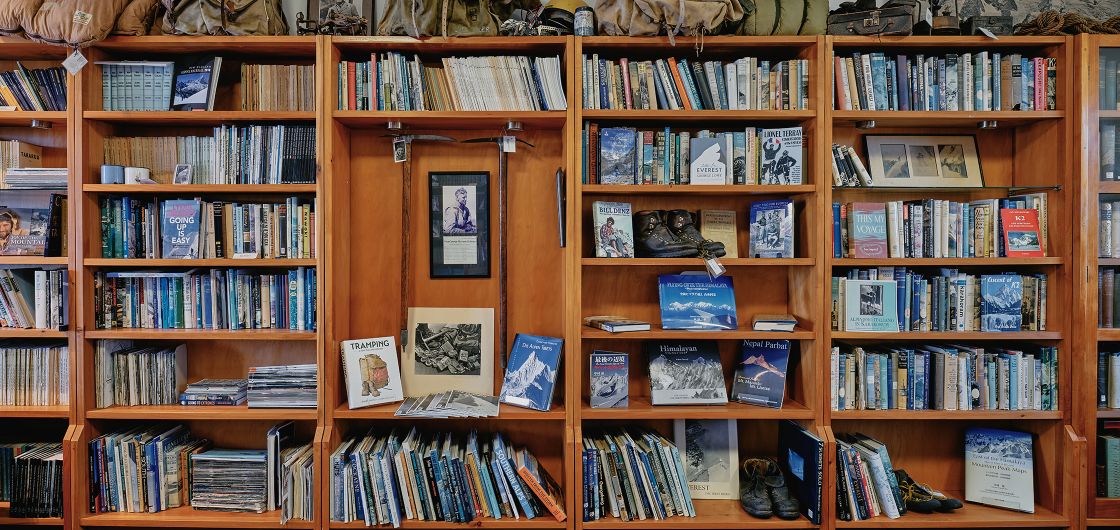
point(451, 251)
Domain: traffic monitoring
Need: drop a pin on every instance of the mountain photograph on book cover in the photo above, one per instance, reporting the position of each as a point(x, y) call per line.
point(531, 371)
point(685, 372)
point(760, 378)
point(1002, 302)
point(695, 301)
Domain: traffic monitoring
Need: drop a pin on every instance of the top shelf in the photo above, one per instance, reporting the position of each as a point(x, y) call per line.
point(954, 41)
point(279, 46)
point(184, 117)
point(698, 115)
point(927, 118)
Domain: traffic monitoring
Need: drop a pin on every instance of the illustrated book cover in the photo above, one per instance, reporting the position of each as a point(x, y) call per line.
point(707, 162)
point(372, 373)
point(196, 82)
point(25, 223)
point(709, 450)
point(448, 349)
point(1001, 302)
point(531, 371)
point(180, 227)
point(779, 156)
point(999, 468)
point(760, 376)
point(617, 147)
point(772, 231)
point(867, 229)
point(870, 305)
point(697, 302)
point(614, 229)
point(685, 372)
point(1021, 235)
point(610, 379)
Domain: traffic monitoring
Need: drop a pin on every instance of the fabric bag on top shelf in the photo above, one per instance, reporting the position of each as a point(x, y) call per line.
point(73, 22)
point(784, 17)
point(224, 17)
point(655, 17)
point(14, 14)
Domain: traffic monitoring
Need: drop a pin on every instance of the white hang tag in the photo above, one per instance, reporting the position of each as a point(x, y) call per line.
point(400, 150)
point(509, 144)
point(715, 268)
point(988, 33)
point(74, 62)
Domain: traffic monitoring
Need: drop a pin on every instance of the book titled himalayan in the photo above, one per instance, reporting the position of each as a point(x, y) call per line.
point(1021, 236)
point(867, 229)
point(999, 468)
point(1001, 302)
point(695, 301)
point(760, 376)
point(610, 379)
point(373, 375)
point(870, 305)
point(531, 371)
point(179, 228)
point(772, 229)
point(779, 156)
point(25, 223)
point(685, 372)
point(614, 229)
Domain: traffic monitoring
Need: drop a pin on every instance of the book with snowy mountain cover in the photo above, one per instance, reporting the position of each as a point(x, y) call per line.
point(610, 379)
point(1001, 307)
point(760, 376)
point(709, 450)
point(999, 468)
point(694, 301)
point(685, 372)
point(531, 371)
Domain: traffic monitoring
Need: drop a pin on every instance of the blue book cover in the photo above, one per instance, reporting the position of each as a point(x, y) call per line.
point(610, 379)
point(879, 84)
point(760, 376)
point(999, 468)
point(531, 371)
point(772, 229)
point(685, 372)
point(616, 155)
point(179, 227)
point(697, 302)
point(1001, 306)
point(801, 457)
point(870, 305)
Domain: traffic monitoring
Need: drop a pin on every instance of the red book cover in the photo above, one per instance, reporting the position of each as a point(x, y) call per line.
point(351, 82)
point(1020, 233)
point(867, 230)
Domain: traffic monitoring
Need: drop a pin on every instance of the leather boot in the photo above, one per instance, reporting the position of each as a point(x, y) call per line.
point(680, 224)
point(654, 240)
point(752, 490)
point(785, 505)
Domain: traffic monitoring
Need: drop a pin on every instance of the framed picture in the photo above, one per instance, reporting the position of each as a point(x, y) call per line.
point(923, 161)
point(182, 174)
point(460, 224)
point(449, 349)
point(323, 11)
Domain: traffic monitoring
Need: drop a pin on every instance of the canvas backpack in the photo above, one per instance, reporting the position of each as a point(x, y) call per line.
point(224, 17)
point(784, 17)
point(676, 17)
point(136, 18)
point(14, 14)
point(447, 18)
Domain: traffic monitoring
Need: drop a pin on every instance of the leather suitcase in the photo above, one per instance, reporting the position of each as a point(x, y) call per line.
point(897, 20)
point(998, 25)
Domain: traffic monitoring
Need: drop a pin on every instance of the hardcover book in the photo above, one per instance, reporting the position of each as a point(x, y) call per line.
point(709, 450)
point(685, 373)
point(999, 468)
point(801, 457)
point(617, 147)
point(196, 82)
point(610, 379)
point(720, 225)
point(179, 228)
point(531, 371)
point(614, 229)
point(867, 229)
point(615, 324)
point(870, 305)
point(1021, 236)
point(1001, 302)
point(24, 223)
point(760, 376)
point(372, 373)
point(772, 226)
point(696, 301)
point(780, 156)
point(707, 161)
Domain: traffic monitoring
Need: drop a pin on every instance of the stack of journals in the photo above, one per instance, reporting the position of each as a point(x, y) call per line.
point(34, 375)
point(215, 392)
point(278, 87)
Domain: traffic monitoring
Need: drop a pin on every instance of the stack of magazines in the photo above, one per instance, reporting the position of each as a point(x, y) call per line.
point(631, 471)
point(285, 386)
point(231, 480)
point(32, 475)
point(453, 404)
point(35, 178)
point(215, 392)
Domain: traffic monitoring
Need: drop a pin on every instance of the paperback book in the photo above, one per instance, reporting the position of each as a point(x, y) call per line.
point(196, 83)
point(867, 229)
point(870, 305)
point(710, 453)
point(610, 379)
point(614, 229)
point(695, 301)
point(372, 373)
point(780, 156)
point(760, 376)
point(772, 229)
point(616, 155)
point(708, 161)
point(685, 372)
point(801, 458)
point(180, 227)
point(999, 468)
point(531, 371)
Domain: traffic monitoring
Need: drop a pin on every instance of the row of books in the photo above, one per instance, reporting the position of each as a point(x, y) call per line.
point(1109, 229)
point(386, 479)
point(149, 228)
point(1109, 149)
point(934, 228)
point(31, 479)
point(140, 85)
point(1109, 80)
point(393, 81)
point(848, 170)
point(636, 475)
point(128, 375)
point(944, 377)
point(1108, 379)
point(34, 298)
point(206, 299)
point(252, 154)
point(33, 89)
point(982, 81)
point(625, 155)
point(1108, 459)
point(34, 374)
point(1108, 300)
point(891, 299)
point(866, 484)
point(674, 83)
point(278, 87)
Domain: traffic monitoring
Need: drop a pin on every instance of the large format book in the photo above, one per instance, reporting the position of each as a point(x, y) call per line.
point(196, 83)
point(371, 371)
point(180, 227)
point(802, 461)
point(780, 156)
point(870, 305)
point(685, 372)
point(999, 468)
point(760, 376)
point(695, 301)
point(25, 223)
point(609, 379)
point(710, 452)
point(707, 161)
point(1002, 302)
point(614, 229)
point(534, 362)
point(720, 226)
point(772, 229)
point(867, 229)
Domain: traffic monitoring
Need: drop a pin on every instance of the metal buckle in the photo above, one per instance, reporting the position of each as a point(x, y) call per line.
point(873, 21)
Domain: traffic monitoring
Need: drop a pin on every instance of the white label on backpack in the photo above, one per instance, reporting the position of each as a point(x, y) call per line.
point(74, 62)
point(82, 18)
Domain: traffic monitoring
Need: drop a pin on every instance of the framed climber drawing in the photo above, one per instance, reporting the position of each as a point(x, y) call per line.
point(460, 224)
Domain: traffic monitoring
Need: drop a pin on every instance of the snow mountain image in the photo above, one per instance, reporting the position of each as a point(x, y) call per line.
point(687, 372)
point(531, 372)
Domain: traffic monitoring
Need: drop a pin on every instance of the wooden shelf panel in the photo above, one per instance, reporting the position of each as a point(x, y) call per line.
point(970, 516)
point(939, 119)
point(201, 334)
point(281, 46)
point(710, 515)
point(174, 118)
point(913, 41)
point(656, 332)
point(644, 116)
point(31, 333)
point(1108, 413)
point(688, 189)
point(451, 120)
point(450, 45)
point(715, 43)
point(34, 260)
point(641, 409)
point(54, 411)
point(947, 262)
point(187, 517)
point(505, 412)
point(7, 521)
point(1108, 186)
point(946, 415)
point(199, 188)
point(1108, 334)
point(212, 412)
point(543, 522)
point(19, 118)
point(1110, 522)
point(1108, 114)
point(191, 263)
point(949, 335)
point(696, 262)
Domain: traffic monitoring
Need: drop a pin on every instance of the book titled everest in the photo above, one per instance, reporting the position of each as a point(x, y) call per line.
point(179, 228)
point(1021, 236)
point(373, 375)
point(870, 305)
point(779, 156)
point(760, 376)
point(999, 468)
point(685, 372)
point(772, 229)
point(610, 379)
point(707, 161)
point(867, 229)
point(196, 82)
point(1001, 302)
point(531, 371)
point(709, 450)
point(616, 155)
point(614, 229)
point(693, 300)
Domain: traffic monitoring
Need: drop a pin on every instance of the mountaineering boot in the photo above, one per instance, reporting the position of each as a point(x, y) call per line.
point(681, 224)
point(752, 490)
point(784, 504)
point(916, 498)
point(652, 239)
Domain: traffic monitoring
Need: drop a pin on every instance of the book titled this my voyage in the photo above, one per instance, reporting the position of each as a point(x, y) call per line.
point(867, 229)
point(694, 301)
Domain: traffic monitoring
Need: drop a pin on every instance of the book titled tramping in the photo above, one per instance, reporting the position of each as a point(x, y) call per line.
point(760, 376)
point(685, 372)
point(531, 371)
point(694, 301)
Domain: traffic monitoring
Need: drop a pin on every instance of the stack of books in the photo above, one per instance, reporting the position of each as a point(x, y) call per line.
point(146, 375)
point(35, 89)
point(215, 392)
point(34, 178)
point(17, 154)
point(34, 375)
point(285, 386)
point(136, 85)
point(981, 81)
point(392, 81)
point(278, 87)
point(944, 377)
point(634, 475)
point(32, 477)
point(229, 480)
point(747, 83)
point(866, 485)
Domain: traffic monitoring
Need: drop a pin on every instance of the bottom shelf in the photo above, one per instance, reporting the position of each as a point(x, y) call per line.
point(187, 517)
point(538, 522)
point(970, 516)
point(6, 520)
point(711, 514)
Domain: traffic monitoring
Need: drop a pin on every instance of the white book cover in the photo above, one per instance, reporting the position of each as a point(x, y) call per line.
point(371, 371)
point(999, 468)
point(709, 450)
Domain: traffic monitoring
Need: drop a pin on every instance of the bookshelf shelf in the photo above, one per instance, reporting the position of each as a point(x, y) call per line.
point(710, 514)
point(1106, 508)
point(33, 260)
point(19, 118)
point(1109, 114)
point(12, 411)
point(686, 189)
point(690, 262)
point(640, 408)
point(505, 413)
point(191, 263)
point(31, 333)
point(970, 516)
point(955, 41)
point(185, 118)
point(13, 522)
point(949, 262)
point(201, 334)
point(187, 517)
point(1108, 334)
point(950, 335)
point(451, 120)
point(267, 45)
point(940, 119)
point(184, 413)
point(1108, 413)
point(543, 523)
point(190, 189)
point(685, 116)
point(946, 415)
point(656, 332)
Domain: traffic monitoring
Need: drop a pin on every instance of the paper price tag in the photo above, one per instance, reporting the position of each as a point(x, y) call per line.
point(715, 268)
point(509, 144)
point(400, 150)
point(74, 62)
point(988, 33)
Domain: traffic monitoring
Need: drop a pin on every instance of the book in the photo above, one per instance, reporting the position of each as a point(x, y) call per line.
point(617, 150)
point(697, 302)
point(136, 85)
point(47, 364)
point(999, 468)
point(772, 229)
point(760, 375)
point(1002, 301)
point(278, 87)
point(867, 229)
point(766, 322)
point(534, 362)
point(802, 461)
point(780, 156)
point(870, 305)
point(124, 374)
point(448, 349)
point(371, 372)
point(609, 379)
point(720, 226)
point(615, 324)
point(614, 229)
point(25, 223)
point(685, 372)
point(196, 83)
point(709, 450)
point(180, 224)
point(33, 89)
point(1021, 235)
point(707, 161)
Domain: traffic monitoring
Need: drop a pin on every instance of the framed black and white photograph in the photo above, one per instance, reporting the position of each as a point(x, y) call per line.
point(182, 174)
point(460, 224)
point(924, 161)
point(449, 349)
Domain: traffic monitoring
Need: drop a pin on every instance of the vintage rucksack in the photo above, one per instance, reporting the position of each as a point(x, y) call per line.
point(224, 17)
point(784, 17)
point(73, 22)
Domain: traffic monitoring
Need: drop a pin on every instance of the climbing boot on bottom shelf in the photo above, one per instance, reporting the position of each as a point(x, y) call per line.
point(680, 223)
point(653, 239)
point(784, 504)
point(753, 494)
point(916, 498)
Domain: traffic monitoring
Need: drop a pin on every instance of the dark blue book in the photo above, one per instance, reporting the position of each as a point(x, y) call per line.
point(697, 302)
point(616, 155)
point(1001, 306)
point(802, 460)
point(531, 371)
point(760, 376)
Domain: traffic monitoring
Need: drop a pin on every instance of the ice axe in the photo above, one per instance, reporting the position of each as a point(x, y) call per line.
point(505, 145)
point(402, 154)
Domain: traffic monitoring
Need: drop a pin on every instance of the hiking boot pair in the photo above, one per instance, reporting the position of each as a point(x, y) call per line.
point(921, 498)
point(672, 234)
point(763, 492)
